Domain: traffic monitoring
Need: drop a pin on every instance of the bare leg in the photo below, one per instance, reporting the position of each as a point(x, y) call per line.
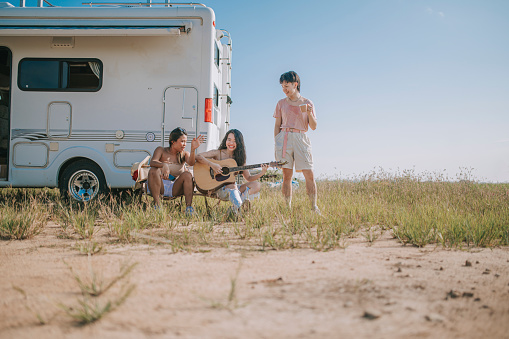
point(310, 187)
point(155, 184)
point(184, 185)
point(231, 186)
point(287, 185)
point(234, 196)
point(246, 191)
point(254, 187)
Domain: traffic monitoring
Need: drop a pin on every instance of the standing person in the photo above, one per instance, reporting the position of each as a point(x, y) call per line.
point(168, 175)
point(293, 116)
point(232, 147)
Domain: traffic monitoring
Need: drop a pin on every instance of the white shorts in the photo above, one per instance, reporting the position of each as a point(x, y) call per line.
point(298, 150)
point(168, 188)
point(223, 194)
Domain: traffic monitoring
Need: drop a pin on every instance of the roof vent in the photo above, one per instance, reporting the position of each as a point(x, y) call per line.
point(62, 41)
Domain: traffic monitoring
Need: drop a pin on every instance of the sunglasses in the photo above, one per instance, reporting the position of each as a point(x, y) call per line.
point(182, 130)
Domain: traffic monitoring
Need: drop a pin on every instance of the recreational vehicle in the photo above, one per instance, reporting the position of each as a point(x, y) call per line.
point(85, 92)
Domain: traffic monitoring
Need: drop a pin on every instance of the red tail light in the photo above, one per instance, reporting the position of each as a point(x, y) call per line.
point(208, 109)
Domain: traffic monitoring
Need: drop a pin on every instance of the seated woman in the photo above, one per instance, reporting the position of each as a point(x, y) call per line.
point(167, 175)
point(232, 147)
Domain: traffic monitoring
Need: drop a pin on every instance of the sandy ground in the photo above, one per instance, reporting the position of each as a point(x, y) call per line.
point(381, 291)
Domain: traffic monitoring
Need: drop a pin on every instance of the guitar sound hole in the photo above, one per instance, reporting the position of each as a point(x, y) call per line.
point(220, 177)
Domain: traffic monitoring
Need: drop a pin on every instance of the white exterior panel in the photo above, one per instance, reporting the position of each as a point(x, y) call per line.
point(124, 118)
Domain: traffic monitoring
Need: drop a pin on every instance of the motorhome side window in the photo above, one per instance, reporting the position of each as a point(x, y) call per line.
point(216, 97)
point(62, 75)
point(216, 55)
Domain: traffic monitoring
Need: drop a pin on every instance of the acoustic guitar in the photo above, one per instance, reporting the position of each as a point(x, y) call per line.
point(206, 180)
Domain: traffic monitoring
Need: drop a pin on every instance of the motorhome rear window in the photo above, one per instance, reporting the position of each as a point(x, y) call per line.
point(62, 75)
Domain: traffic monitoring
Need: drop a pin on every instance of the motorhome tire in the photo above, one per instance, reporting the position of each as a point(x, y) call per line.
point(82, 181)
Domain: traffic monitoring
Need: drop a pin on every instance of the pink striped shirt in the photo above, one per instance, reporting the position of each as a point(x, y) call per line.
point(291, 116)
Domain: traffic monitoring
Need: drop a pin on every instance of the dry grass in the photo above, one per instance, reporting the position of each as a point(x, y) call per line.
point(91, 307)
point(418, 209)
point(22, 220)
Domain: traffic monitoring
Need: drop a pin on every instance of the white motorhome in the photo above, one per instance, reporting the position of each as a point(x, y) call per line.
point(85, 92)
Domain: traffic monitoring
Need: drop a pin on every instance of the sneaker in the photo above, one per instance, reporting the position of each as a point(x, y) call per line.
point(245, 195)
point(189, 211)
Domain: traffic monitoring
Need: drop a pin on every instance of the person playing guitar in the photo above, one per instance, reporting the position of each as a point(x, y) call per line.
point(232, 147)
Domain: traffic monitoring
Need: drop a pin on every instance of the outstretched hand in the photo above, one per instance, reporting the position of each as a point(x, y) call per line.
point(278, 164)
point(264, 169)
point(196, 142)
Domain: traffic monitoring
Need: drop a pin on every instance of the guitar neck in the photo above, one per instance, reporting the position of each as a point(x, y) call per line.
point(241, 168)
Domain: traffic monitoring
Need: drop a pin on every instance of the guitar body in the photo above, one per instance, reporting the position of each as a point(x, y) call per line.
point(207, 181)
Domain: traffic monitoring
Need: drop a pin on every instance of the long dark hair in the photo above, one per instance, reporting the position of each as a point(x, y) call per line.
point(174, 136)
point(239, 154)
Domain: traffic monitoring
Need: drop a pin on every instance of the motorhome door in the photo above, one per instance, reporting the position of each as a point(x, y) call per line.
point(180, 110)
point(5, 116)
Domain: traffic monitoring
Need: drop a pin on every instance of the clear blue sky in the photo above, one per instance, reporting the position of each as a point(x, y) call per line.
point(397, 84)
